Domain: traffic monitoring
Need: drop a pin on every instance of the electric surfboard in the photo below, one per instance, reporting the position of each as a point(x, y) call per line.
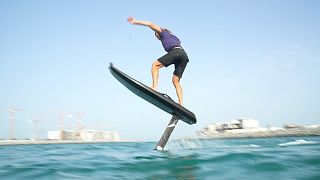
point(158, 99)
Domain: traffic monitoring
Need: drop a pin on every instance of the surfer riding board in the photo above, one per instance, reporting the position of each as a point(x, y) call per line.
point(175, 56)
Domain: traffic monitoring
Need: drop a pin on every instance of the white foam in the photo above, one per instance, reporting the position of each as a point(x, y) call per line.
point(253, 145)
point(298, 142)
point(159, 148)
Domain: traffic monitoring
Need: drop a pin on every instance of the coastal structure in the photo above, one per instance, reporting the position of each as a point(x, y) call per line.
point(70, 137)
point(249, 128)
point(86, 135)
point(243, 123)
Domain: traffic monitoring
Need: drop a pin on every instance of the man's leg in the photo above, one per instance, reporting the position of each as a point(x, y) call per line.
point(155, 74)
point(175, 81)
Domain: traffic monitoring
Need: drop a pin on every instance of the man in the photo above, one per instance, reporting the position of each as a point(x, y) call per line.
point(175, 55)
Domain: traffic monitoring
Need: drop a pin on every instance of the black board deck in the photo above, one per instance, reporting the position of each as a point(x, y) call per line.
point(154, 97)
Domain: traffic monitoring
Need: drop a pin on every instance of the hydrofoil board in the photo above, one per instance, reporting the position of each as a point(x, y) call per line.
point(158, 99)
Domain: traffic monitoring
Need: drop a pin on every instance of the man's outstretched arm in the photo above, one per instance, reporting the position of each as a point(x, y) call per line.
point(151, 25)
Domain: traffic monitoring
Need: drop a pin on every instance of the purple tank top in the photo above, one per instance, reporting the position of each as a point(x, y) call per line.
point(168, 40)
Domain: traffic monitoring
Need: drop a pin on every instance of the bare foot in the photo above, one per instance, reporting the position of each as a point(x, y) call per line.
point(153, 88)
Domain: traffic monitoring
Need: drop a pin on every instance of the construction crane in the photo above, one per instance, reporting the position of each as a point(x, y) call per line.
point(12, 119)
point(0, 124)
point(79, 127)
point(35, 128)
point(61, 124)
point(79, 122)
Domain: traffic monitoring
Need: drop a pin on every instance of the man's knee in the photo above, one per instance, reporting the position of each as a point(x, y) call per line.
point(175, 80)
point(156, 65)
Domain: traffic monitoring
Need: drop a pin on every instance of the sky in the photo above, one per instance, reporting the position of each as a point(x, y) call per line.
point(248, 59)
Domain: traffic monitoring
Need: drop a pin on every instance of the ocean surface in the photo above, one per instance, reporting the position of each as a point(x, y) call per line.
point(258, 159)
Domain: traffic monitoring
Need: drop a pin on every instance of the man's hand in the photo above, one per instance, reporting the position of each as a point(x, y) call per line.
point(154, 27)
point(131, 20)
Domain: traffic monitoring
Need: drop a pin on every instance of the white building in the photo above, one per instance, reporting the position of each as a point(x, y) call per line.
point(249, 123)
point(242, 123)
point(91, 135)
point(87, 135)
point(54, 135)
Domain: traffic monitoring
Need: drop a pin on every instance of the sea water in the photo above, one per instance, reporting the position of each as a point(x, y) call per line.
point(270, 158)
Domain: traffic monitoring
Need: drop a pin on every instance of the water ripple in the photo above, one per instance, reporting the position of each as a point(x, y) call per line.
point(182, 159)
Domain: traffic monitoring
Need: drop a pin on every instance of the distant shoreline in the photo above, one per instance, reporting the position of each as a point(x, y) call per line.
point(260, 133)
point(35, 142)
point(227, 134)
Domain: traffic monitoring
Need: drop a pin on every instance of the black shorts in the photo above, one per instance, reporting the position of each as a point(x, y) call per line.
point(178, 57)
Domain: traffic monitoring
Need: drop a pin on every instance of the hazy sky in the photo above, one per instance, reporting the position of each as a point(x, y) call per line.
point(248, 59)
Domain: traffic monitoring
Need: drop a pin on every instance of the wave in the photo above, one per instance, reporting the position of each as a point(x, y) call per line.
point(298, 142)
point(181, 159)
point(193, 144)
